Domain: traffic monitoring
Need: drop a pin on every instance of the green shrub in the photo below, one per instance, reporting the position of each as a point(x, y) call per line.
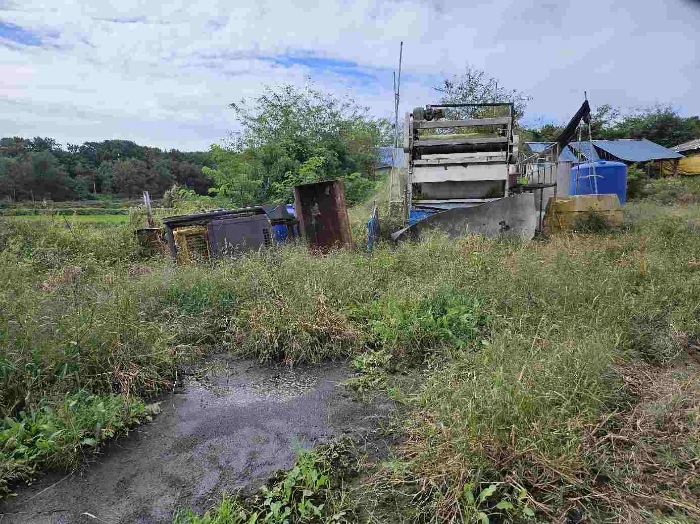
point(55, 435)
point(311, 491)
point(410, 327)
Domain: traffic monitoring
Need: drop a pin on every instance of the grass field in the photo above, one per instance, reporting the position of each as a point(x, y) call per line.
point(559, 380)
point(74, 219)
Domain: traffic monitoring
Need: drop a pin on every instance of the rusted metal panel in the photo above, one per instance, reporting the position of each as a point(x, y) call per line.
point(323, 214)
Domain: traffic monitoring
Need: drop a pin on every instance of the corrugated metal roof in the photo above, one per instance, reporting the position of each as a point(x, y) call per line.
point(687, 146)
point(586, 150)
point(641, 150)
point(538, 147)
point(566, 155)
point(385, 157)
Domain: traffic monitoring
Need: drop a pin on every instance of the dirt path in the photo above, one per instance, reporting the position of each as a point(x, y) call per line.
point(228, 429)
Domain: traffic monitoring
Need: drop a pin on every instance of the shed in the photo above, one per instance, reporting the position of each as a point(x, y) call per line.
point(633, 151)
point(224, 232)
point(690, 164)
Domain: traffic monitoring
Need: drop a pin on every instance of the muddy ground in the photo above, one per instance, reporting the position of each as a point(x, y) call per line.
point(229, 427)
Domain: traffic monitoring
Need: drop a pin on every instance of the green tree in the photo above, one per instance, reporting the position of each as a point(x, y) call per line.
point(130, 177)
point(475, 86)
point(290, 134)
point(233, 176)
point(660, 124)
point(49, 180)
point(160, 178)
point(104, 177)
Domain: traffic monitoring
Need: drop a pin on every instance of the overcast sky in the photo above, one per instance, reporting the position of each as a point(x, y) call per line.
point(162, 74)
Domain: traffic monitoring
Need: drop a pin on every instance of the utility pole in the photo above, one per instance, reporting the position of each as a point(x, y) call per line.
point(393, 178)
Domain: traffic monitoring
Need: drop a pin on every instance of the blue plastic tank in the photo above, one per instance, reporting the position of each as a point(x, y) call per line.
point(611, 178)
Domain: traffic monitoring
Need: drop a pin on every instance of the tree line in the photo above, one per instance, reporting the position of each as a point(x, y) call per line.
point(287, 136)
point(41, 168)
point(660, 124)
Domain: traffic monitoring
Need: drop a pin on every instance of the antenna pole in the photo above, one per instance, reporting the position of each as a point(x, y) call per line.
point(397, 97)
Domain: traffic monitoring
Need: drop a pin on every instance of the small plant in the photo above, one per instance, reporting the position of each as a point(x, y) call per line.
point(305, 493)
point(371, 371)
point(591, 222)
point(480, 507)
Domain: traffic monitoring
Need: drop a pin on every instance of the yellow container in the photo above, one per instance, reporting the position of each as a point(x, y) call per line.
point(563, 213)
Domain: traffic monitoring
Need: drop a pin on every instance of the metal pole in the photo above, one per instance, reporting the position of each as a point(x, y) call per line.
point(397, 99)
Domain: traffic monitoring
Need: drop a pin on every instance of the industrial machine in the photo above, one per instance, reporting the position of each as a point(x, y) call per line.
point(225, 232)
point(466, 174)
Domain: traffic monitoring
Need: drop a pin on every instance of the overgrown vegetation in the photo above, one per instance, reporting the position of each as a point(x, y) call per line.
point(558, 377)
point(313, 490)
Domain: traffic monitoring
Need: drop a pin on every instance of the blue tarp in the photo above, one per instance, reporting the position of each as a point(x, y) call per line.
point(385, 157)
point(641, 150)
point(586, 150)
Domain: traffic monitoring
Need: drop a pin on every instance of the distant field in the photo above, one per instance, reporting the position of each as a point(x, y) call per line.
point(82, 219)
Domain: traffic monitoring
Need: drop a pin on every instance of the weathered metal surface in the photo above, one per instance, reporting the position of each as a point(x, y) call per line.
point(472, 122)
point(226, 232)
point(228, 236)
point(563, 213)
point(460, 172)
point(323, 214)
point(513, 216)
point(466, 141)
point(450, 190)
point(693, 145)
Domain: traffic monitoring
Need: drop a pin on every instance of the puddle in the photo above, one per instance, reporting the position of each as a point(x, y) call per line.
point(230, 427)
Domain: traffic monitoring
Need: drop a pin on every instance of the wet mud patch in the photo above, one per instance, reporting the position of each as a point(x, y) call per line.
point(228, 427)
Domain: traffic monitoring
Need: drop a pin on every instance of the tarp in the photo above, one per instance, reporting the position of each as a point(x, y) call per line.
point(688, 166)
point(633, 150)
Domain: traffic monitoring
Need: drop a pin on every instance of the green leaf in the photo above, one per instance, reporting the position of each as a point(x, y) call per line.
point(504, 504)
point(528, 512)
point(483, 517)
point(522, 495)
point(468, 493)
point(89, 441)
point(486, 493)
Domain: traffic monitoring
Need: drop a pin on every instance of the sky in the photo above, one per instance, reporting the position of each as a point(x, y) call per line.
point(163, 73)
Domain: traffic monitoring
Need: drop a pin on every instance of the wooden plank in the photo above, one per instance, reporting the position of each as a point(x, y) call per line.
point(461, 141)
point(424, 124)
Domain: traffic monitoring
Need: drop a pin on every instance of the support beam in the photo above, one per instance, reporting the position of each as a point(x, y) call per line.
point(437, 124)
point(461, 141)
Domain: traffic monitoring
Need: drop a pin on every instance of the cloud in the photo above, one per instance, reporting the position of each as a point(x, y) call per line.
point(164, 74)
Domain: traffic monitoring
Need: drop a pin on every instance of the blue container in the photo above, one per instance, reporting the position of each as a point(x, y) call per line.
point(280, 233)
point(610, 177)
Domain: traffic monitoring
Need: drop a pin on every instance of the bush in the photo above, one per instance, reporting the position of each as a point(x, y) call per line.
point(311, 491)
point(55, 435)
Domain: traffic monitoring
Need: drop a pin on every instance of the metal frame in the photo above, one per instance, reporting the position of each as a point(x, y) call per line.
point(413, 143)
